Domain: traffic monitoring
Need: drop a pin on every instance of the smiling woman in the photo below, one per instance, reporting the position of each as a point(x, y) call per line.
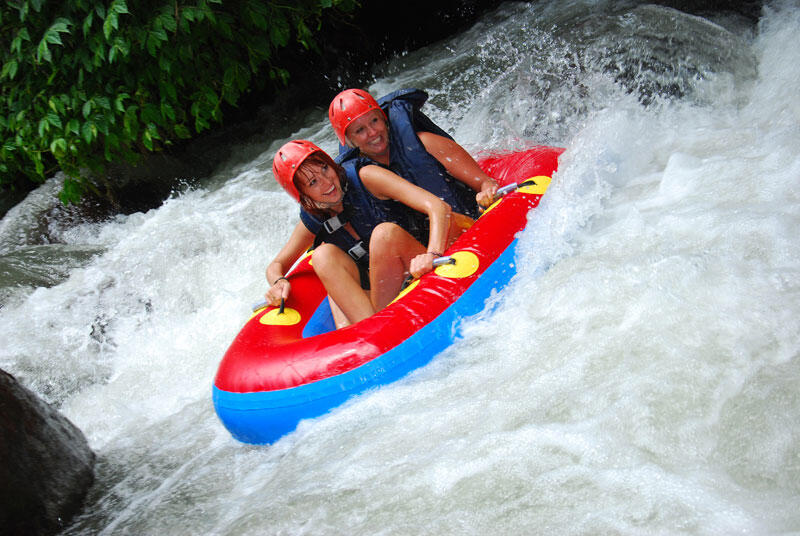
point(287, 364)
point(395, 133)
point(320, 183)
point(355, 221)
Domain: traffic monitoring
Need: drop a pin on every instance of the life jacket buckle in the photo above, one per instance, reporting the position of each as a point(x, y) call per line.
point(332, 224)
point(357, 251)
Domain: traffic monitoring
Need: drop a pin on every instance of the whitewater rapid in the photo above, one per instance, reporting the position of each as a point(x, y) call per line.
point(640, 375)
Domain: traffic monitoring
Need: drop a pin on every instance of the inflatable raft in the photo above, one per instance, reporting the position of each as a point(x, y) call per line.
point(291, 364)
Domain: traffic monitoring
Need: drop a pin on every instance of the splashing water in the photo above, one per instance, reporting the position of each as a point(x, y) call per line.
point(639, 375)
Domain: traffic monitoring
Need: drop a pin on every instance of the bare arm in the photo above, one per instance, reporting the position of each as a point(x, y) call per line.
point(299, 241)
point(385, 184)
point(458, 162)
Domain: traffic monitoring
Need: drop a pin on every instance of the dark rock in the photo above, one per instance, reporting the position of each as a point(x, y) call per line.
point(46, 464)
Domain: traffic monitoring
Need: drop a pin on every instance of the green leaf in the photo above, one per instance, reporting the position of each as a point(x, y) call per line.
point(87, 23)
point(225, 29)
point(167, 21)
point(89, 132)
point(150, 113)
point(279, 32)
point(73, 127)
point(259, 20)
point(120, 7)
point(54, 120)
point(58, 147)
point(230, 76)
point(119, 102)
point(130, 123)
point(22, 35)
point(304, 35)
point(53, 34)
point(154, 40)
point(110, 24)
point(10, 69)
point(147, 140)
point(37, 162)
point(167, 111)
point(42, 52)
point(166, 87)
point(71, 192)
point(23, 11)
point(164, 63)
point(182, 131)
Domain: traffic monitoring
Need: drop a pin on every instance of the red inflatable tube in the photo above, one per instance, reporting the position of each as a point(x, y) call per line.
point(272, 375)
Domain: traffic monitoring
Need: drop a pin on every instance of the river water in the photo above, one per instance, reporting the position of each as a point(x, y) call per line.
point(640, 375)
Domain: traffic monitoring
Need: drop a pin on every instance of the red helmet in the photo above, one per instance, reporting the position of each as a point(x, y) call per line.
point(348, 106)
point(287, 160)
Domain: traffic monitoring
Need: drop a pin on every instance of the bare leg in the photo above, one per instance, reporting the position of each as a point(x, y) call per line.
point(458, 226)
point(391, 249)
point(339, 274)
point(339, 318)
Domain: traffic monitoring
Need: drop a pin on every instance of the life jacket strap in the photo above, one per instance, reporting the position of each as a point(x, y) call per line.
point(357, 251)
point(335, 223)
point(332, 224)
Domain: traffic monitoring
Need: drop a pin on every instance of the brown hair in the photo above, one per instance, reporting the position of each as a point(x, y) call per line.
point(320, 158)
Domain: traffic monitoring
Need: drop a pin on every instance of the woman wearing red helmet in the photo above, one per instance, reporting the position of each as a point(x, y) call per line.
point(363, 244)
point(397, 135)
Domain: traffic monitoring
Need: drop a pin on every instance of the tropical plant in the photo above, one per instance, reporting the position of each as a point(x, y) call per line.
point(87, 82)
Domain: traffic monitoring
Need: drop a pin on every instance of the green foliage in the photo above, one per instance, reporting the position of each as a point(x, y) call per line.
point(87, 82)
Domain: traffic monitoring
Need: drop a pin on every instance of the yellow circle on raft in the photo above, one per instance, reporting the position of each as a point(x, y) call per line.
point(542, 182)
point(255, 313)
point(406, 290)
point(466, 264)
point(289, 317)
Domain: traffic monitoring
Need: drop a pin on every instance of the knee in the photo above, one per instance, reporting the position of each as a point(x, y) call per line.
point(385, 238)
point(325, 255)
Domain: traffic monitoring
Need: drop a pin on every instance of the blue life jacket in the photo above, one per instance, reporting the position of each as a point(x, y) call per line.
point(363, 211)
point(409, 159)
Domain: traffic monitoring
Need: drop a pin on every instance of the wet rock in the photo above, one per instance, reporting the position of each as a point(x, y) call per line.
point(47, 466)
